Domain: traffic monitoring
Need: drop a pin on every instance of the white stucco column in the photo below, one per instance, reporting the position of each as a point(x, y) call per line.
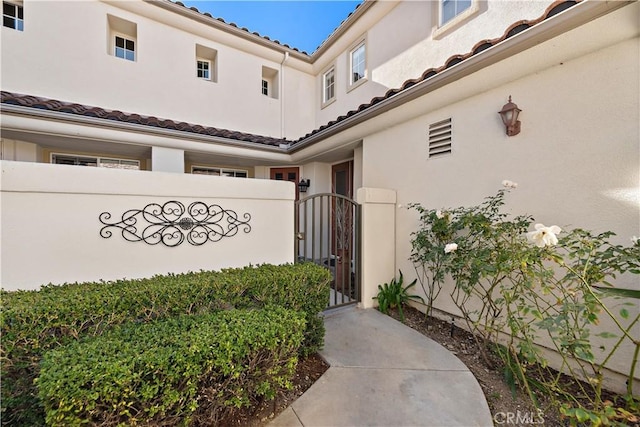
point(378, 240)
point(167, 160)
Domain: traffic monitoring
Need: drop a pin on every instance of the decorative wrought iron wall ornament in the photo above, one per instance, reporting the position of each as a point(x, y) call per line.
point(170, 223)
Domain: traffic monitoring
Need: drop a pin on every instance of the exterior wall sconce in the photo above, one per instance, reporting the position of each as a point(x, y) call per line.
point(304, 185)
point(509, 115)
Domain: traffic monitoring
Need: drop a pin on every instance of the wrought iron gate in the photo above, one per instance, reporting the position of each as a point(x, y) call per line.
point(327, 227)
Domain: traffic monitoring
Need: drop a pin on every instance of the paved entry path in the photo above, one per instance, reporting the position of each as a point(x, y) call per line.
point(383, 373)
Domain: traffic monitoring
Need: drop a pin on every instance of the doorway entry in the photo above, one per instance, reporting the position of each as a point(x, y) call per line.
point(327, 231)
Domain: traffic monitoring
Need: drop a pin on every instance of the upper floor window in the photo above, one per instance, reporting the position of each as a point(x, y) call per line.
point(12, 16)
point(125, 48)
point(269, 82)
point(452, 8)
point(203, 69)
point(123, 36)
point(328, 86)
point(358, 63)
point(206, 63)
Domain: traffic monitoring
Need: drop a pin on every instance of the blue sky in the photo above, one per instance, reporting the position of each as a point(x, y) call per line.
point(300, 24)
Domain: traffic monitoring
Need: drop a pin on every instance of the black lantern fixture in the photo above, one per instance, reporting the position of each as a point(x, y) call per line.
point(509, 115)
point(304, 185)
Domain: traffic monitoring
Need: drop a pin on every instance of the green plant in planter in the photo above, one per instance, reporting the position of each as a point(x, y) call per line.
point(395, 294)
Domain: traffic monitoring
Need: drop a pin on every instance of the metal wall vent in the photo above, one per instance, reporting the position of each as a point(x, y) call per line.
point(440, 138)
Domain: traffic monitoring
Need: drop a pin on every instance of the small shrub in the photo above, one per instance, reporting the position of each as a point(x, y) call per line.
point(521, 285)
point(33, 322)
point(163, 372)
point(395, 294)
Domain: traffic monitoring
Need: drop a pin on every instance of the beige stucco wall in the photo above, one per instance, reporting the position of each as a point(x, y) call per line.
point(50, 228)
point(63, 54)
point(401, 46)
point(577, 159)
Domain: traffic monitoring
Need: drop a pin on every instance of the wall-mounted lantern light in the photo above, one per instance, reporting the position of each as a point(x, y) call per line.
point(509, 115)
point(304, 185)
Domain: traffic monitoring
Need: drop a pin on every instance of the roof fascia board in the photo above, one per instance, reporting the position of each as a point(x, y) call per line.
point(176, 139)
point(567, 20)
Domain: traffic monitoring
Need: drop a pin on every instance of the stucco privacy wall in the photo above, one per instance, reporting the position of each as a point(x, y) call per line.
point(576, 162)
point(51, 229)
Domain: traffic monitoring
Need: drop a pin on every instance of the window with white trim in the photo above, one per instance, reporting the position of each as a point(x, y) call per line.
point(12, 16)
point(125, 48)
point(269, 82)
point(357, 64)
point(123, 36)
point(206, 63)
point(204, 170)
point(449, 9)
point(100, 162)
point(329, 86)
point(203, 69)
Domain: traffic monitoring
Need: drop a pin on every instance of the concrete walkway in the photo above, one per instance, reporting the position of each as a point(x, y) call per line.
point(383, 373)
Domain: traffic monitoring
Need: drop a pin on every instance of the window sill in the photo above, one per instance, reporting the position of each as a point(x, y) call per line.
point(357, 84)
point(327, 103)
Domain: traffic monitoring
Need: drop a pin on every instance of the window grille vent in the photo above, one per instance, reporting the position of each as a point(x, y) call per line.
point(440, 138)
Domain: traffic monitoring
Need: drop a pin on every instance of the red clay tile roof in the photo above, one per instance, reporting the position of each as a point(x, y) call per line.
point(88, 111)
point(31, 101)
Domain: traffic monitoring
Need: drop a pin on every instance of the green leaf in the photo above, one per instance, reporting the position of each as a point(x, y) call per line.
point(581, 415)
point(618, 292)
point(624, 313)
point(606, 335)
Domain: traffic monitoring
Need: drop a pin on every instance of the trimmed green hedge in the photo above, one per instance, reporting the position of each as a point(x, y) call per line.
point(172, 371)
point(33, 322)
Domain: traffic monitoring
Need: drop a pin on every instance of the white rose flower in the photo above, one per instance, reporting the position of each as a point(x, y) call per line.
point(439, 214)
point(544, 236)
point(509, 184)
point(450, 247)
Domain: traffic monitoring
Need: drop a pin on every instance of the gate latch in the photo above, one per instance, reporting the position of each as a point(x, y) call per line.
point(300, 236)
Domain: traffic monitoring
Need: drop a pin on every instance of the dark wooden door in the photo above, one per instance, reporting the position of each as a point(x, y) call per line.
point(287, 174)
point(343, 223)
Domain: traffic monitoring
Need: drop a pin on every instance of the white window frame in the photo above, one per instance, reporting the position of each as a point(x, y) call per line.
point(209, 55)
point(126, 30)
point(100, 161)
point(208, 70)
point(443, 28)
point(353, 83)
point(456, 4)
point(272, 78)
point(219, 171)
point(18, 22)
point(126, 39)
point(326, 100)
